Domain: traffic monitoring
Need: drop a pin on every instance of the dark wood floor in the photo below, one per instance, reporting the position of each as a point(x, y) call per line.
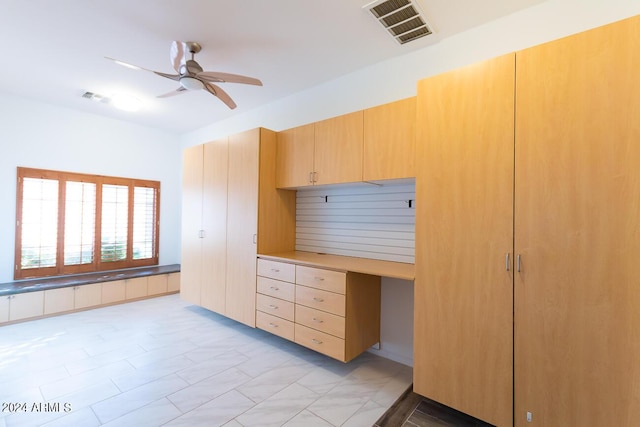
point(413, 410)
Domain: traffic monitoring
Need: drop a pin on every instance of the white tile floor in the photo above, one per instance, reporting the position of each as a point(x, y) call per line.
point(163, 362)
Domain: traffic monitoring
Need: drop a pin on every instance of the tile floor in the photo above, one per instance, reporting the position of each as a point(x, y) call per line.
point(162, 362)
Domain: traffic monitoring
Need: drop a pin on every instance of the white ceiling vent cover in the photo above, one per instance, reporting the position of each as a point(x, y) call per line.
point(402, 18)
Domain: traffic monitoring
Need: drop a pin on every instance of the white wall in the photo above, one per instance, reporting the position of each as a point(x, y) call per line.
point(396, 321)
point(38, 135)
point(396, 79)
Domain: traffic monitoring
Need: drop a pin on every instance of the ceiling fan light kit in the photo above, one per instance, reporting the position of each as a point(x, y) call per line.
point(191, 83)
point(192, 77)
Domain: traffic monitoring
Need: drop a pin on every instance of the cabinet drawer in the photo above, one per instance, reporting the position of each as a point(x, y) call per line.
point(275, 306)
point(321, 300)
point(328, 280)
point(275, 325)
point(277, 270)
point(321, 321)
point(320, 342)
point(276, 288)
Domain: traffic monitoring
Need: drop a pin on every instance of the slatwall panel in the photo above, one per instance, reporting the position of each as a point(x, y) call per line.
point(366, 221)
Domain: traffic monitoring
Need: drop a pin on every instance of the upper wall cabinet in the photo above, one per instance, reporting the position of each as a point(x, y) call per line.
point(389, 141)
point(338, 149)
point(325, 152)
point(294, 161)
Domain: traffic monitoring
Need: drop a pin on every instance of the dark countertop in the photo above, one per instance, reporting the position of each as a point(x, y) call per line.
point(44, 283)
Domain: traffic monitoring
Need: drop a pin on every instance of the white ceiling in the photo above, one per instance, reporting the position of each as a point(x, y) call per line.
point(54, 50)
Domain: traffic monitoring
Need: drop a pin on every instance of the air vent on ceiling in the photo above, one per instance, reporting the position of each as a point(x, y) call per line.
point(96, 97)
point(402, 18)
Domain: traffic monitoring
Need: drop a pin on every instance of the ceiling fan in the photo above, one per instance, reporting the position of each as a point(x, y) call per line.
point(191, 75)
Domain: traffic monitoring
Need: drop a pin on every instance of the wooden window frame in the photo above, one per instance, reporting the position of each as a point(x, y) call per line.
point(97, 265)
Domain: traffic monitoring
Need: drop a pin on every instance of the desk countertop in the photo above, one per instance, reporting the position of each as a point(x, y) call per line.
point(375, 267)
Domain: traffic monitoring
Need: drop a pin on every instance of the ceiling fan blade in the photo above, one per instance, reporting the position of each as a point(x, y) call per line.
point(213, 76)
point(178, 52)
point(221, 94)
point(126, 64)
point(175, 77)
point(136, 67)
point(173, 93)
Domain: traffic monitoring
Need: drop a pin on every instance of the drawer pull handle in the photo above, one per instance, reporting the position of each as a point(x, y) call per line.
point(316, 341)
point(318, 320)
point(275, 307)
point(319, 278)
point(318, 299)
point(275, 288)
point(273, 325)
point(275, 270)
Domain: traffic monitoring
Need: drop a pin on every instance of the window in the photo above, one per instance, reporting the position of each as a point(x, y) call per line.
point(70, 223)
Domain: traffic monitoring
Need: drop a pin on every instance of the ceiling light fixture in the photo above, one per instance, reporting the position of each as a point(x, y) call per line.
point(126, 102)
point(191, 83)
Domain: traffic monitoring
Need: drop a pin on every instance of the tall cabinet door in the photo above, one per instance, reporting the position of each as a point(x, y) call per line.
point(577, 324)
point(463, 325)
point(242, 226)
point(191, 259)
point(214, 219)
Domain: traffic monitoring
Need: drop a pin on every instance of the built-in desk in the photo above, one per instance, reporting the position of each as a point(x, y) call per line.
point(397, 270)
point(328, 303)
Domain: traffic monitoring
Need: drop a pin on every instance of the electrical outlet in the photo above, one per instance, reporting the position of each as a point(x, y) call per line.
point(529, 417)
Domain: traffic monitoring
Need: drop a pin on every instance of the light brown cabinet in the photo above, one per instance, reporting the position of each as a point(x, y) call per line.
point(242, 225)
point(333, 312)
point(72, 298)
point(192, 229)
point(4, 309)
point(86, 296)
point(253, 216)
point(548, 232)
point(276, 297)
point(325, 152)
point(173, 282)
point(370, 145)
point(577, 232)
point(58, 300)
point(113, 292)
point(25, 306)
point(463, 292)
point(204, 216)
point(389, 141)
point(338, 149)
point(61, 300)
point(136, 288)
point(294, 158)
